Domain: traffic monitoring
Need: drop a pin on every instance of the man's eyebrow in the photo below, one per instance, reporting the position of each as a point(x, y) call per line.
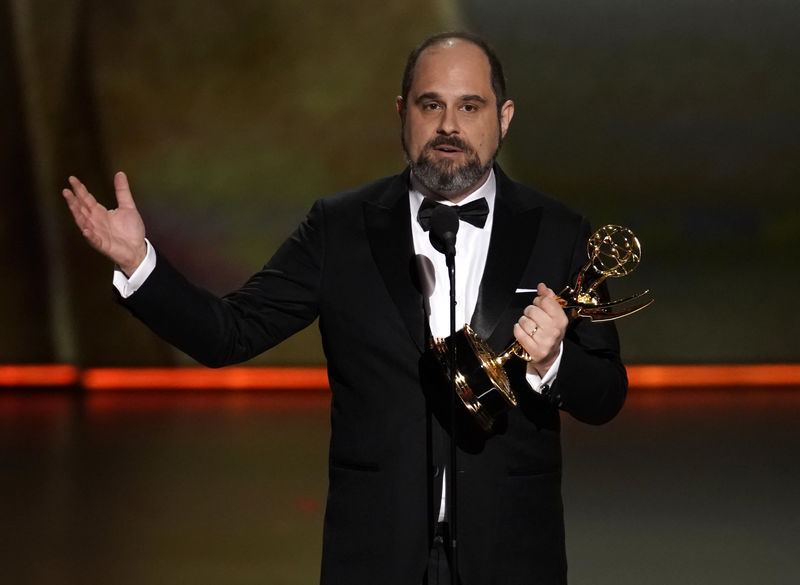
point(432, 95)
point(473, 98)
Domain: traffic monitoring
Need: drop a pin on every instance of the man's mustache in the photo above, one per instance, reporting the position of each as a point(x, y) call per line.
point(453, 141)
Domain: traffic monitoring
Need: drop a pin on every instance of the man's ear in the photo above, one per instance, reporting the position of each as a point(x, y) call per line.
point(401, 106)
point(506, 113)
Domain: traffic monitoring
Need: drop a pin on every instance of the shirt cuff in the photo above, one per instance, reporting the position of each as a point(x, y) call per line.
point(539, 383)
point(127, 286)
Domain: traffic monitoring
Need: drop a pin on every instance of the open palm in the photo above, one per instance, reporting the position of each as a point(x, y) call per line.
point(116, 233)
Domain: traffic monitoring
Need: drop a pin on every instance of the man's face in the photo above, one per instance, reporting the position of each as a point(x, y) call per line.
point(451, 126)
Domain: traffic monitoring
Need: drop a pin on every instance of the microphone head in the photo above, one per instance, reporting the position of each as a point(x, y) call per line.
point(444, 227)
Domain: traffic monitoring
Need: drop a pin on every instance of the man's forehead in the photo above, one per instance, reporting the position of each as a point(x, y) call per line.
point(452, 62)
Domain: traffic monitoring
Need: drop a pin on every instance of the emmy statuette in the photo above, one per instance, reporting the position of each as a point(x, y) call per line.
point(481, 382)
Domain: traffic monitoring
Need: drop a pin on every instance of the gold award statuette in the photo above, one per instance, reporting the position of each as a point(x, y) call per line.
point(481, 381)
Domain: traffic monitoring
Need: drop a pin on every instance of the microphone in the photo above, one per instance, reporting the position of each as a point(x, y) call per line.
point(444, 227)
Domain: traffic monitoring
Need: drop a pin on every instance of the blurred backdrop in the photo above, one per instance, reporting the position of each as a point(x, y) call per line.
point(678, 119)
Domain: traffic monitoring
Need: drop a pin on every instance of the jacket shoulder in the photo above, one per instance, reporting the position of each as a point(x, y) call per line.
point(385, 191)
point(523, 197)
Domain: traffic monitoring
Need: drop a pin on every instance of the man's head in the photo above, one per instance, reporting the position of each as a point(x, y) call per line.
point(454, 113)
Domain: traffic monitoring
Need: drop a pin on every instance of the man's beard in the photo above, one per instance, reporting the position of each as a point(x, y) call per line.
point(446, 176)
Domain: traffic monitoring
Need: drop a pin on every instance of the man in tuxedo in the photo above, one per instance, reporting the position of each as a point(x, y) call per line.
point(363, 263)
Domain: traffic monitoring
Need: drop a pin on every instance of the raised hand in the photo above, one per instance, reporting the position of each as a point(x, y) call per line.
point(116, 233)
point(541, 329)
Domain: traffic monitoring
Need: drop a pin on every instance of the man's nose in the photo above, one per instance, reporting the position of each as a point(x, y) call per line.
point(448, 122)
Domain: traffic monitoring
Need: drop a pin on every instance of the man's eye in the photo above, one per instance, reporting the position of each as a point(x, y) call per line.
point(469, 108)
point(431, 106)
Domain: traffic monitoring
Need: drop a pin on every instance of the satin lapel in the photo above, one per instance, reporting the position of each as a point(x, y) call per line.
point(389, 234)
point(514, 230)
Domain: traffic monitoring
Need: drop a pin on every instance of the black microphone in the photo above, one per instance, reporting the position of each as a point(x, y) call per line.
point(444, 227)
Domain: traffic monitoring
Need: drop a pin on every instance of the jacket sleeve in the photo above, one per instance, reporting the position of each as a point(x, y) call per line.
point(279, 300)
point(592, 382)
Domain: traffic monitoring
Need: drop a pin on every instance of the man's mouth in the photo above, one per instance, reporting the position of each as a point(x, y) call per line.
point(448, 146)
point(447, 149)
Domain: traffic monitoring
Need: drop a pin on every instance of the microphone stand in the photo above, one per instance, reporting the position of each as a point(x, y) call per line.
point(452, 483)
point(443, 230)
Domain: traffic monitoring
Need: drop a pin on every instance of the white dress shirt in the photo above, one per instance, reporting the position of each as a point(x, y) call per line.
point(472, 247)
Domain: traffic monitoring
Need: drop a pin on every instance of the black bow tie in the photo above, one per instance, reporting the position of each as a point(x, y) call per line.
point(474, 212)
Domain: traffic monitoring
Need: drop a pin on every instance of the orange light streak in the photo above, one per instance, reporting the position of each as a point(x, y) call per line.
point(237, 378)
point(45, 375)
point(649, 376)
point(316, 378)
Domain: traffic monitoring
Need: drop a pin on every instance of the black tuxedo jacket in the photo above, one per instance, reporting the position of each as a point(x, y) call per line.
point(351, 263)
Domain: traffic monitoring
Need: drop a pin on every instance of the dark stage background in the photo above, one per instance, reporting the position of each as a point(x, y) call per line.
point(678, 119)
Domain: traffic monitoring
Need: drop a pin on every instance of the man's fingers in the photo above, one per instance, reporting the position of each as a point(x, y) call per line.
point(80, 201)
point(525, 339)
point(77, 208)
point(123, 191)
point(541, 327)
point(547, 300)
point(543, 292)
point(543, 295)
point(72, 202)
point(80, 191)
point(532, 311)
